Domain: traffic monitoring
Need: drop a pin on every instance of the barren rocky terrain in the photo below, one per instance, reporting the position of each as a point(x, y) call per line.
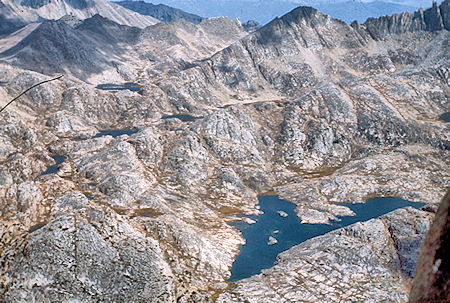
point(307, 106)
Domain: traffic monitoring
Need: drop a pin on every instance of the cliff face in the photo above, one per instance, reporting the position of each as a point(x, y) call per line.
point(432, 19)
point(432, 281)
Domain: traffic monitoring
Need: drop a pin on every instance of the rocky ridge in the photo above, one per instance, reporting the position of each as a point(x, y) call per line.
point(99, 46)
point(29, 11)
point(161, 12)
point(330, 116)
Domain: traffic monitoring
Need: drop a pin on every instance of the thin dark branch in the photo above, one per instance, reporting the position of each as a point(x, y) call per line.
point(28, 89)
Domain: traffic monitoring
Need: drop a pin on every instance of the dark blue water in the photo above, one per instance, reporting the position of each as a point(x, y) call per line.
point(134, 87)
point(184, 118)
point(54, 168)
point(36, 227)
point(115, 132)
point(89, 197)
point(110, 132)
point(256, 255)
point(445, 117)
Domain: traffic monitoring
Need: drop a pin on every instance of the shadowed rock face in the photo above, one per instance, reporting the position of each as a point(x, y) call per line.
point(40, 51)
point(431, 19)
point(77, 4)
point(34, 3)
point(432, 281)
point(161, 12)
point(29, 11)
point(9, 22)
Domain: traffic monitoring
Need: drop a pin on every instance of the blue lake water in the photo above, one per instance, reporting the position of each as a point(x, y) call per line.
point(89, 197)
point(109, 132)
point(184, 118)
point(445, 117)
point(134, 87)
point(256, 254)
point(36, 227)
point(54, 168)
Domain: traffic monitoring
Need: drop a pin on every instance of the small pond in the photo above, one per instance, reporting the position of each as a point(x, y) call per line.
point(36, 227)
point(184, 118)
point(134, 87)
point(445, 117)
point(54, 168)
point(256, 254)
point(89, 197)
point(109, 132)
point(116, 132)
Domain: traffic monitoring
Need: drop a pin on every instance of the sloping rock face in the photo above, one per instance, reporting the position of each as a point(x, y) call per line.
point(251, 26)
point(307, 106)
point(36, 10)
point(102, 49)
point(50, 55)
point(9, 21)
point(371, 261)
point(161, 12)
point(432, 281)
point(86, 255)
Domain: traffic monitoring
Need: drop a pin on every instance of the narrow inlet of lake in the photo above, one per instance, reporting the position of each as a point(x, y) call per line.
point(134, 87)
point(54, 168)
point(287, 231)
point(183, 118)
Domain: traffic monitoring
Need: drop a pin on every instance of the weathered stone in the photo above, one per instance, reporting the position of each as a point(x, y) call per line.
point(432, 280)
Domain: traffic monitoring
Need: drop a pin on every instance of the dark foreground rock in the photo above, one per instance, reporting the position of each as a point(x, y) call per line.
point(432, 281)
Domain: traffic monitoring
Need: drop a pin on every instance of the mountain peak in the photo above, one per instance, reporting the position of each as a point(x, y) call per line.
point(304, 12)
point(35, 10)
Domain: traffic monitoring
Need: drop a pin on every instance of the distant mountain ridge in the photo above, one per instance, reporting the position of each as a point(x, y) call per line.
point(16, 13)
point(96, 44)
point(161, 12)
point(360, 11)
point(264, 11)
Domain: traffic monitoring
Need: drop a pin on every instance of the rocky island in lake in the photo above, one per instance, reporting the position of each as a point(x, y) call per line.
point(190, 159)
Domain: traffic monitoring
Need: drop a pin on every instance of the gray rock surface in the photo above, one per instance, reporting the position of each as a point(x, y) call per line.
point(36, 10)
point(160, 11)
point(84, 254)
